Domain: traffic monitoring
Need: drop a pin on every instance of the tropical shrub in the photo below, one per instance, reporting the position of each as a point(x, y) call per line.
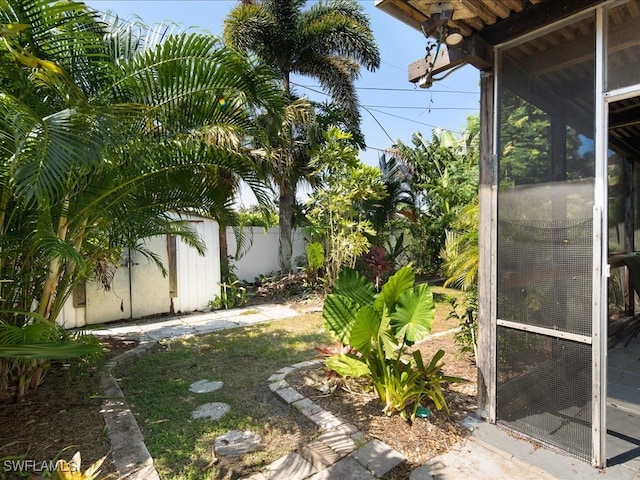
point(104, 132)
point(335, 208)
point(376, 263)
point(315, 259)
point(72, 470)
point(26, 352)
point(444, 179)
point(466, 338)
point(381, 327)
point(232, 292)
point(258, 216)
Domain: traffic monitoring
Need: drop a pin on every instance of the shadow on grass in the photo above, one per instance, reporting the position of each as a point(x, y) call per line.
point(157, 389)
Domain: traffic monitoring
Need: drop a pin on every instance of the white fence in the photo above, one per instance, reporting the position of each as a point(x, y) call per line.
point(139, 289)
point(262, 256)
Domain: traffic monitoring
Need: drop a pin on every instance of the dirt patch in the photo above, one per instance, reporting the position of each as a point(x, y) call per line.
point(60, 417)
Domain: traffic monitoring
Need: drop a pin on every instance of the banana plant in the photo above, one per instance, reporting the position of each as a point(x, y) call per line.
point(381, 327)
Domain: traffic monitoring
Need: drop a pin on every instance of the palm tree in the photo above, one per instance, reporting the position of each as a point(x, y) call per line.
point(400, 200)
point(329, 42)
point(460, 252)
point(101, 137)
point(97, 149)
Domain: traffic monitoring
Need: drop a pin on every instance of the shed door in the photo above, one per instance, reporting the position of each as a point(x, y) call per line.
point(545, 231)
point(138, 289)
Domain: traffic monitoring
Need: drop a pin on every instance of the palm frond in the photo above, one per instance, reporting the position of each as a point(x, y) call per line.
point(341, 28)
point(56, 151)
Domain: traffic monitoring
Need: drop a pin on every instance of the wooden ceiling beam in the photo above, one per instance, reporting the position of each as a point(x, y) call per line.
point(626, 118)
point(478, 9)
point(403, 11)
point(534, 17)
point(497, 7)
point(474, 51)
point(515, 5)
point(579, 51)
point(467, 25)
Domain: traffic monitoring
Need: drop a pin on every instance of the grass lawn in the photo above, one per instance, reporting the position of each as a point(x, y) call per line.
point(157, 390)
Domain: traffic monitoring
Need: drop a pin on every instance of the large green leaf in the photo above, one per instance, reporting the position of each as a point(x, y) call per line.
point(414, 314)
point(386, 337)
point(365, 328)
point(339, 314)
point(347, 366)
point(48, 351)
point(401, 281)
point(41, 339)
point(354, 285)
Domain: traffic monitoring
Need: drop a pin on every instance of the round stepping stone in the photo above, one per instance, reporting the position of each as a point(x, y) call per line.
point(205, 386)
point(237, 442)
point(213, 411)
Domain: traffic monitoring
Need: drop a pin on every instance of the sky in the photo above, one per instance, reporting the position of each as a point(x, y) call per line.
point(392, 108)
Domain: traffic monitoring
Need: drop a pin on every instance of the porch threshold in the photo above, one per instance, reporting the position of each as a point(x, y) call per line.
point(556, 465)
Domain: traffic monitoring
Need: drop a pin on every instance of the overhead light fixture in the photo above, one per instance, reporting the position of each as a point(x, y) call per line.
point(426, 81)
point(453, 38)
point(436, 27)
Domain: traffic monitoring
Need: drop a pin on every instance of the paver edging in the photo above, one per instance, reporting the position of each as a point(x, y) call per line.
point(317, 458)
point(131, 458)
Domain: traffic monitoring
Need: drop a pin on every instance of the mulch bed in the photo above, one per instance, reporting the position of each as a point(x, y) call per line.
point(419, 440)
point(59, 418)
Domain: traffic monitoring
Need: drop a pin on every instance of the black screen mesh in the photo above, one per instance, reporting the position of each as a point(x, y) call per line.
point(545, 274)
point(544, 389)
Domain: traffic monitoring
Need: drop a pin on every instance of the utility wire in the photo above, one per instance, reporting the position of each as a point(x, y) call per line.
point(412, 120)
point(424, 90)
point(372, 109)
point(388, 106)
point(391, 89)
point(379, 124)
point(421, 108)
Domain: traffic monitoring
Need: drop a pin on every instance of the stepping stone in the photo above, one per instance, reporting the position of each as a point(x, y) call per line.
point(377, 457)
point(212, 411)
point(237, 442)
point(205, 386)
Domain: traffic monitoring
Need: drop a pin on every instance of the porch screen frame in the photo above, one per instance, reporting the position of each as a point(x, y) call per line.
point(598, 337)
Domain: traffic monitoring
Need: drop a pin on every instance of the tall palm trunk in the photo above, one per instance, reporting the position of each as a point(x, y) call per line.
point(285, 209)
point(224, 251)
point(285, 212)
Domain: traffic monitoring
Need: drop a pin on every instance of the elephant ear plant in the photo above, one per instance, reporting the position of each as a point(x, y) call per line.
point(381, 327)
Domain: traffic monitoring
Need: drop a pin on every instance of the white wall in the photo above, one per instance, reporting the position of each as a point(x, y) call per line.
point(262, 257)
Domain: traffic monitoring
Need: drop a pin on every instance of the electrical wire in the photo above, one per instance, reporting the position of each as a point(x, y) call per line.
point(379, 124)
point(386, 106)
point(403, 107)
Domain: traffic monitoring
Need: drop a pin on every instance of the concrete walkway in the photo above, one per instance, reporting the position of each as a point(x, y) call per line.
point(339, 453)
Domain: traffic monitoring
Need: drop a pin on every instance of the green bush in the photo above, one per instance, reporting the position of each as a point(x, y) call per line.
point(380, 327)
point(466, 338)
point(232, 293)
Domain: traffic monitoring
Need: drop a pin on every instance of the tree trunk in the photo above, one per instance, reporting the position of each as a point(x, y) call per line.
point(285, 248)
point(54, 271)
point(224, 251)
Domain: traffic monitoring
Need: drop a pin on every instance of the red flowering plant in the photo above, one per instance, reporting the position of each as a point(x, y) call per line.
point(377, 263)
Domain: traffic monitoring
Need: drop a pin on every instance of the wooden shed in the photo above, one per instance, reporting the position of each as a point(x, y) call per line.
point(559, 210)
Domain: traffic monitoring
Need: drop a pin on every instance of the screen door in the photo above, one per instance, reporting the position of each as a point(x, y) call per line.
point(545, 231)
